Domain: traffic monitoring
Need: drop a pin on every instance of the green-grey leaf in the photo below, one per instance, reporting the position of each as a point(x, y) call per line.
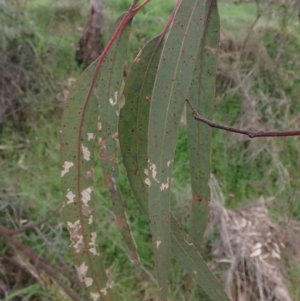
point(134, 118)
point(78, 133)
point(171, 87)
point(202, 95)
point(133, 129)
point(191, 260)
point(107, 92)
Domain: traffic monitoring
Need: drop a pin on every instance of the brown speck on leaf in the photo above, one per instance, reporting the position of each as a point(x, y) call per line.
point(103, 148)
point(197, 198)
point(121, 221)
point(113, 158)
point(107, 180)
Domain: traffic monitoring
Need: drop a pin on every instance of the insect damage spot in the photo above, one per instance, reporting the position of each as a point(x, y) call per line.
point(81, 271)
point(93, 249)
point(66, 167)
point(86, 195)
point(86, 210)
point(106, 288)
point(90, 220)
point(70, 196)
point(89, 173)
point(91, 136)
point(198, 199)
point(121, 221)
point(169, 163)
point(114, 101)
point(99, 125)
point(86, 153)
point(158, 242)
point(213, 50)
point(147, 182)
point(146, 172)
point(153, 170)
point(114, 181)
point(102, 148)
point(164, 186)
point(73, 225)
point(115, 136)
point(113, 158)
point(137, 60)
point(95, 296)
point(76, 235)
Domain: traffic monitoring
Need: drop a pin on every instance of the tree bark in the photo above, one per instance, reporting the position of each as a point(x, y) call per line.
point(90, 44)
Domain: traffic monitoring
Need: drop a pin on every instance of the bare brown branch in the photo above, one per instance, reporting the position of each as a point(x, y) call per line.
point(250, 134)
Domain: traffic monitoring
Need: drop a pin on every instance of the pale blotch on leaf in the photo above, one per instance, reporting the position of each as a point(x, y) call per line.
point(106, 288)
point(86, 195)
point(86, 210)
point(89, 173)
point(91, 136)
point(146, 172)
point(153, 170)
point(114, 181)
point(115, 136)
point(137, 60)
point(77, 242)
point(81, 271)
point(99, 125)
point(86, 153)
point(164, 186)
point(66, 167)
point(90, 219)
point(148, 182)
point(111, 101)
point(92, 244)
point(169, 163)
point(213, 50)
point(70, 196)
point(158, 242)
point(76, 235)
point(95, 296)
point(73, 225)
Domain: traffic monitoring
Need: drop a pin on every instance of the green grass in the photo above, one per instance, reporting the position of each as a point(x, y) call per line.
point(30, 174)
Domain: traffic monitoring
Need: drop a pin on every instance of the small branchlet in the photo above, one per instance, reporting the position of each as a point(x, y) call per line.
point(250, 134)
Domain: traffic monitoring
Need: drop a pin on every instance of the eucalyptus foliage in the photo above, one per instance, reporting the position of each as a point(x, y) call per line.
point(180, 63)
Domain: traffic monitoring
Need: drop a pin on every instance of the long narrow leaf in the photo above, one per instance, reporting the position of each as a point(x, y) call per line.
point(107, 92)
point(172, 84)
point(202, 95)
point(191, 260)
point(77, 154)
point(79, 130)
point(134, 118)
point(133, 129)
